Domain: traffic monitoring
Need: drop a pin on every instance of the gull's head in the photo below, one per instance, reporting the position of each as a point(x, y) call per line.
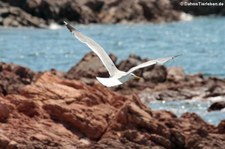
point(133, 76)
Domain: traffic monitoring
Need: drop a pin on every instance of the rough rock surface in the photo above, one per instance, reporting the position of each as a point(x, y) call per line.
point(18, 13)
point(13, 77)
point(192, 87)
point(84, 69)
point(60, 113)
point(15, 17)
point(99, 11)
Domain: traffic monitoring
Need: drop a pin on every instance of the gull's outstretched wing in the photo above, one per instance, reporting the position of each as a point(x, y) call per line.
point(99, 51)
point(151, 62)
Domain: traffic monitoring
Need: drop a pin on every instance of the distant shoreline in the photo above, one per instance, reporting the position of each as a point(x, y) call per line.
point(42, 13)
point(157, 83)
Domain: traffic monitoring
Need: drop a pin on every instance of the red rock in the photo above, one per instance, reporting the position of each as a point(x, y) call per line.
point(221, 127)
point(58, 113)
point(4, 141)
point(28, 108)
point(47, 110)
point(4, 112)
point(177, 138)
point(13, 77)
point(161, 141)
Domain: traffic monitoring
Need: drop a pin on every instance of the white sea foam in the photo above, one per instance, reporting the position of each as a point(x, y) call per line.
point(216, 99)
point(185, 17)
point(54, 26)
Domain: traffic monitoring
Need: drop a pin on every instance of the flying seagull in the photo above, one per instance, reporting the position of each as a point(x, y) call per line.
point(117, 77)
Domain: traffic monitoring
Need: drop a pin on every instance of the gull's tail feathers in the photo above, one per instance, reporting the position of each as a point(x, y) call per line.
point(109, 82)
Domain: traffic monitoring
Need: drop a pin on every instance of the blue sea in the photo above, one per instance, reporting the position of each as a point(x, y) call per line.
point(201, 43)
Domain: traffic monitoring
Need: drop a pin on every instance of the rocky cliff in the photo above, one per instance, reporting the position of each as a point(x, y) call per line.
point(38, 13)
point(59, 113)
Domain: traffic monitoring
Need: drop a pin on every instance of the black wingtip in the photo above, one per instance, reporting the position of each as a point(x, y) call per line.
point(65, 22)
point(177, 56)
point(70, 28)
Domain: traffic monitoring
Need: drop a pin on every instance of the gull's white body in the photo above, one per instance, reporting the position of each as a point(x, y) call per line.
point(117, 77)
point(109, 82)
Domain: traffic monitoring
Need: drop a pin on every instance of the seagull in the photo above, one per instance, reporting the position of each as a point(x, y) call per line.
point(117, 77)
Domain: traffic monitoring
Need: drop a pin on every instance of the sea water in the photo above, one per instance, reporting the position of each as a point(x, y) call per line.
point(196, 106)
point(200, 43)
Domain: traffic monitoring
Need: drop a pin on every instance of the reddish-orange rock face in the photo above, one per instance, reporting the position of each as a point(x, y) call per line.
point(60, 113)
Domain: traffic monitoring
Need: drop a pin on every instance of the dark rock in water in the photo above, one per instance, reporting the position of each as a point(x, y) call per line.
point(154, 73)
point(217, 106)
point(13, 77)
point(131, 61)
point(157, 74)
point(189, 87)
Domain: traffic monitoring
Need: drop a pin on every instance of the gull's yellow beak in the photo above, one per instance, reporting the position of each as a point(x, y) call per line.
point(137, 78)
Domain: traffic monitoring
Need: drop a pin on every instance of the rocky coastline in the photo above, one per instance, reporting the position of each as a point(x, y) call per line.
point(71, 109)
point(157, 83)
point(41, 13)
